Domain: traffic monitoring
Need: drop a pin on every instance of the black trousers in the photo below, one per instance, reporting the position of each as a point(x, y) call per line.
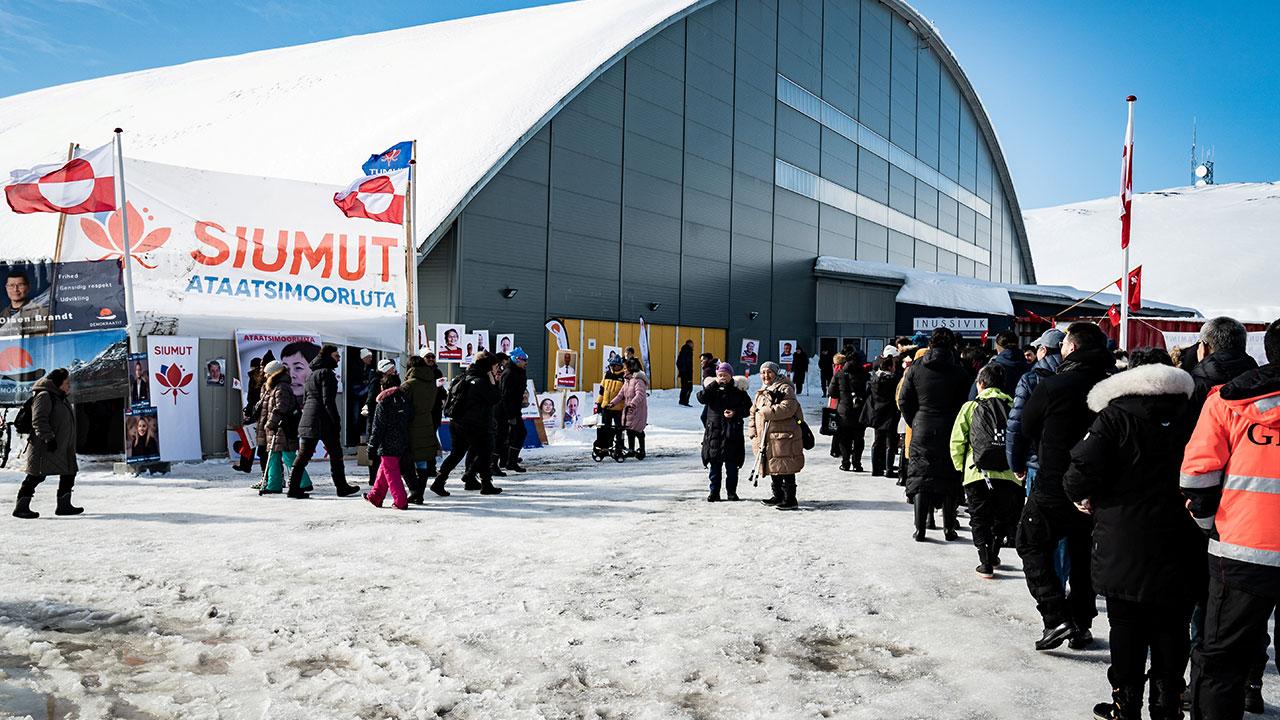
point(884, 451)
point(501, 438)
point(1041, 528)
point(516, 436)
point(1141, 627)
point(926, 500)
point(28, 487)
point(307, 450)
point(994, 508)
point(471, 443)
point(853, 441)
point(1235, 634)
point(613, 418)
point(799, 378)
point(686, 389)
point(824, 376)
point(1255, 676)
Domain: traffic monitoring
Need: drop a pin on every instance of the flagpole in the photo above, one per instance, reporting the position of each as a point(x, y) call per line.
point(1126, 227)
point(411, 256)
point(131, 321)
point(62, 217)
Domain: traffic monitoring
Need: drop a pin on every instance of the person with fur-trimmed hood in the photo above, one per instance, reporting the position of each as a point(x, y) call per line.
point(723, 449)
point(1125, 474)
point(634, 402)
point(389, 442)
point(776, 435)
point(280, 412)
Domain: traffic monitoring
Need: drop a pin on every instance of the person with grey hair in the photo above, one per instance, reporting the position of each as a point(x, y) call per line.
point(1222, 358)
point(776, 436)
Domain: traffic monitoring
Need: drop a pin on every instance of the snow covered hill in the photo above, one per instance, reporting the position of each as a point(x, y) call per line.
point(1213, 248)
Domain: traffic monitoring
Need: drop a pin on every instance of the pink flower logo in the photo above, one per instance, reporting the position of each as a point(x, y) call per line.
point(111, 237)
point(173, 381)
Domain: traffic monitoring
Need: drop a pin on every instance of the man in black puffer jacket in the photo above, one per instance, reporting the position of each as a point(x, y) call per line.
point(513, 386)
point(321, 423)
point(1125, 472)
point(471, 425)
point(1221, 358)
point(1055, 418)
point(1011, 360)
point(850, 388)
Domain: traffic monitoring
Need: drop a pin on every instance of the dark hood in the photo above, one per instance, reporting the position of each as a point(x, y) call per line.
point(46, 385)
point(324, 362)
point(1223, 367)
point(939, 358)
point(1095, 360)
point(1253, 383)
point(419, 372)
point(280, 378)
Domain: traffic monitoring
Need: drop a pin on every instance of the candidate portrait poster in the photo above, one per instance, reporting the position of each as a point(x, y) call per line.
point(450, 343)
point(481, 338)
point(750, 351)
point(529, 402)
point(786, 351)
point(294, 350)
point(142, 435)
point(209, 249)
point(549, 410)
point(505, 343)
point(45, 297)
point(566, 369)
point(174, 364)
point(609, 354)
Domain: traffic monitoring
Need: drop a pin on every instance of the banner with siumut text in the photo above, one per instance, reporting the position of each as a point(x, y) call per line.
point(211, 250)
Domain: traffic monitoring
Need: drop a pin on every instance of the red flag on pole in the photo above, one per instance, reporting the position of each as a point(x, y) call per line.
point(1113, 314)
point(1135, 287)
point(1126, 179)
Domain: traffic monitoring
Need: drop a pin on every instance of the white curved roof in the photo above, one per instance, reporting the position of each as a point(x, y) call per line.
point(468, 90)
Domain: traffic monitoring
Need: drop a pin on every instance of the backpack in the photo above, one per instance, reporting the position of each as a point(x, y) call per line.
point(454, 397)
point(987, 435)
point(22, 423)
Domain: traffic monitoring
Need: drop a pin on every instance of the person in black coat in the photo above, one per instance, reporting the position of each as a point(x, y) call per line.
point(321, 423)
point(825, 362)
point(389, 441)
point(850, 390)
point(723, 448)
point(1011, 360)
point(933, 391)
point(881, 414)
point(512, 387)
point(470, 425)
point(1221, 358)
point(1125, 473)
point(799, 368)
point(1055, 418)
point(684, 369)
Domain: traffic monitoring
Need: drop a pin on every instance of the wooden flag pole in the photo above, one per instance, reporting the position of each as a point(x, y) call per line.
point(411, 260)
point(62, 217)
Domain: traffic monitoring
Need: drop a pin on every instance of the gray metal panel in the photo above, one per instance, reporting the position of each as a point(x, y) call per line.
point(873, 67)
point(839, 159)
point(837, 232)
point(800, 42)
point(798, 139)
point(902, 105)
point(840, 55)
point(849, 302)
point(873, 241)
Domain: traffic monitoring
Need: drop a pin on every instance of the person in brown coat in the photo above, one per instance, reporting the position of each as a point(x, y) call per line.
point(776, 436)
point(51, 449)
point(280, 411)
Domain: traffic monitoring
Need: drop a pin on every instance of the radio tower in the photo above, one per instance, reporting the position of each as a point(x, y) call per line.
point(1201, 167)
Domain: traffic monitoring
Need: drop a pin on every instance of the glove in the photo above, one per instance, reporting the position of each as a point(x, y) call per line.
point(51, 443)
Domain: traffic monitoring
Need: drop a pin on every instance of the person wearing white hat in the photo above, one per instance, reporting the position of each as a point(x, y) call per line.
point(278, 427)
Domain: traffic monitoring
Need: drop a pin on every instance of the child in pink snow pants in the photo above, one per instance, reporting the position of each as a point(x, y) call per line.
point(389, 440)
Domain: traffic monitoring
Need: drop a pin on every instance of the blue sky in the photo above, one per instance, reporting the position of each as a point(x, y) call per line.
point(1053, 75)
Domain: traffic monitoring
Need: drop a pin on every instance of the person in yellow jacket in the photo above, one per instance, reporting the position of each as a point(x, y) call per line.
point(990, 487)
point(610, 403)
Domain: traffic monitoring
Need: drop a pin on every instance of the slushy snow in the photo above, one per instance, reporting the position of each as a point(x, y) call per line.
point(586, 590)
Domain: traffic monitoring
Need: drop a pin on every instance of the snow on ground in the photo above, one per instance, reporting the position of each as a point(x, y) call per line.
point(1228, 230)
point(584, 590)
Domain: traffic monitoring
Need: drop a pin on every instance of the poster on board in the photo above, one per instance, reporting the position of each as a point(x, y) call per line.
point(529, 402)
point(46, 297)
point(481, 338)
point(609, 354)
point(750, 351)
point(295, 351)
point(506, 342)
point(566, 369)
point(549, 410)
point(136, 369)
point(95, 359)
point(577, 407)
point(174, 394)
point(786, 352)
point(449, 344)
point(141, 435)
point(215, 372)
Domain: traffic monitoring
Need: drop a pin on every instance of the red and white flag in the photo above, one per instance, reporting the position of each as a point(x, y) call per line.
point(379, 197)
point(1113, 314)
point(1126, 180)
point(1135, 288)
point(85, 184)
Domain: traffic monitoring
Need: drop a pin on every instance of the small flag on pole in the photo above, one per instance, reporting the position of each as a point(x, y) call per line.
point(1126, 179)
point(380, 197)
point(85, 184)
point(1113, 314)
point(1135, 288)
point(396, 157)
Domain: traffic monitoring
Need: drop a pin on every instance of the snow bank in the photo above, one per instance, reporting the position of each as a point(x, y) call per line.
point(1214, 248)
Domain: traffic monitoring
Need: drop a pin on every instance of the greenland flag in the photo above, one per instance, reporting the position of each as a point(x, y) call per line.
point(86, 184)
point(380, 197)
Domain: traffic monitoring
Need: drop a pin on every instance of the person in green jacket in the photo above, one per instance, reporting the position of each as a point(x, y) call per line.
point(420, 386)
point(993, 492)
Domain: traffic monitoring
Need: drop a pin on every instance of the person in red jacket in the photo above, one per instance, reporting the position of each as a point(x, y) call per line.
point(1231, 482)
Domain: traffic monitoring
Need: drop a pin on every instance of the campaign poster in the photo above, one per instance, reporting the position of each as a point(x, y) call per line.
point(215, 372)
point(506, 342)
point(46, 297)
point(174, 363)
point(142, 435)
point(577, 407)
point(786, 352)
point(210, 249)
point(549, 410)
point(481, 338)
point(423, 339)
point(137, 370)
point(529, 403)
point(609, 354)
point(566, 369)
point(449, 343)
point(750, 351)
point(295, 351)
point(96, 361)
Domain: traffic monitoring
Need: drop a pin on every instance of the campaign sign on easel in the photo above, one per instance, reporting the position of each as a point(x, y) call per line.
point(174, 362)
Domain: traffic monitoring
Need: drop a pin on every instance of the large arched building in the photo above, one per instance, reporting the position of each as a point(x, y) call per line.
point(696, 177)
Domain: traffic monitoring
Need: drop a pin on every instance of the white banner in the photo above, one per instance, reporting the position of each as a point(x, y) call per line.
point(1253, 343)
point(212, 249)
point(174, 363)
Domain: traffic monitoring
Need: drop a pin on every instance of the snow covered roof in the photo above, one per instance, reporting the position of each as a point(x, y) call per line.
point(1213, 247)
point(935, 289)
point(470, 91)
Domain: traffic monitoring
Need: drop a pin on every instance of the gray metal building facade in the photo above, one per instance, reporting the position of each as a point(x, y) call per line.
point(704, 171)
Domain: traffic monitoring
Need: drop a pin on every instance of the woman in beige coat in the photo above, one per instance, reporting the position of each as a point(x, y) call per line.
point(776, 436)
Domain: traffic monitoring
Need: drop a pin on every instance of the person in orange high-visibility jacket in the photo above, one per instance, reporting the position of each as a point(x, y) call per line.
point(1231, 481)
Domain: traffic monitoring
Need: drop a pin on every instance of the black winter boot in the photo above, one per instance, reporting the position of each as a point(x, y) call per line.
point(789, 500)
point(437, 487)
point(1126, 704)
point(1054, 636)
point(778, 493)
point(1165, 699)
point(469, 482)
point(23, 509)
point(487, 487)
point(343, 489)
point(513, 461)
point(65, 507)
point(421, 478)
point(1253, 703)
